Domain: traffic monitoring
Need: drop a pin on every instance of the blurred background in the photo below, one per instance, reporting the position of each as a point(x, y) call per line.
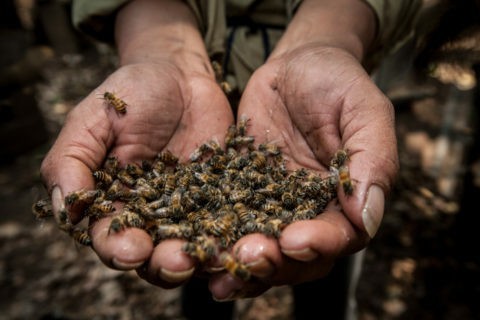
point(424, 262)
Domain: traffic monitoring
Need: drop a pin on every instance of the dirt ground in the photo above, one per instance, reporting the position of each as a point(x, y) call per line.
point(424, 262)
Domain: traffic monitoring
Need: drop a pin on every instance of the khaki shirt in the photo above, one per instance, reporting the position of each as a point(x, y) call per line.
point(241, 33)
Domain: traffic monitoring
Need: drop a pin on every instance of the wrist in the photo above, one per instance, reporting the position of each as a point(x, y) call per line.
point(345, 24)
point(150, 31)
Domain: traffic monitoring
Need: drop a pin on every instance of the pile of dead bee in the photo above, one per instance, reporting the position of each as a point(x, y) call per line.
point(211, 201)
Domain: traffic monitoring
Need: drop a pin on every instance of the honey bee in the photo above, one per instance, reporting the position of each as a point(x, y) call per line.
point(103, 177)
point(176, 201)
point(244, 214)
point(167, 158)
point(82, 196)
point(256, 178)
point(170, 184)
point(226, 87)
point(345, 181)
point(217, 163)
point(238, 163)
point(305, 211)
point(115, 191)
point(234, 267)
point(273, 227)
point(339, 159)
point(241, 141)
point(312, 188)
point(116, 225)
point(126, 178)
point(169, 231)
point(269, 149)
point(111, 165)
point(206, 178)
point(81, 236)
point(132, 219)
point(42, 208)
point(242, 125)
point(230, 136)
point(217, 70)
point(272, 190)
point(127, 219)
point(258, 200)
point(272, 207)
point(239, 195)
point(100, 208)
point(158, 167)
point(289, 201)
point(145, 190)
point(258, 160)
point(134, 170)
point(118, 104)
point(63, 220)
point(203, 248)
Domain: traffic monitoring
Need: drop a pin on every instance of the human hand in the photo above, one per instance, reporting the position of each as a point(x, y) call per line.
point(313, 101)
point(174, 104)
point(165, 112)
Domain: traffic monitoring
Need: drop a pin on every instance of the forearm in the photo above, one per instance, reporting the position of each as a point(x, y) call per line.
point(346, 24)
point(152, 31)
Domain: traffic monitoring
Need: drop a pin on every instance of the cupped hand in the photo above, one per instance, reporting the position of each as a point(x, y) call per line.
point(313, 101)
point(166, 110)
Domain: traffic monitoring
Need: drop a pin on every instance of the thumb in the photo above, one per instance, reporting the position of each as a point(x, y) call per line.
point(373, 164)
point(68, 165)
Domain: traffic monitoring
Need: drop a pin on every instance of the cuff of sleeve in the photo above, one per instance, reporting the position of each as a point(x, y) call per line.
point(96, 18)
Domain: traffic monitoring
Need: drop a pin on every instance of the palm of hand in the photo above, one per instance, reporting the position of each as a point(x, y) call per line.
point(311, 103)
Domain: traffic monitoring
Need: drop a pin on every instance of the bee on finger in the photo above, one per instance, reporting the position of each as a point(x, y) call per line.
point(118, 104)
point(274, 227)
point(81, 236)
point(242, 125)
point(345, 181)
point(117, 224)
point(203, 248)
point(340, 158)
point(169, 231)
point(82, 196)
point(63, 220)
point(234, 267)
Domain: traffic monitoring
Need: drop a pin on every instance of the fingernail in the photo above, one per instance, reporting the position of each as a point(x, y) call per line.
point(304, 255)
point(122, 265)
point(58, 202)
point(175, 276)
point(261, 268)
point(372, 212)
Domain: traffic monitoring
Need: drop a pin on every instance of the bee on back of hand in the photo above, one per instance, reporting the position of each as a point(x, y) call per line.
point(118, 104)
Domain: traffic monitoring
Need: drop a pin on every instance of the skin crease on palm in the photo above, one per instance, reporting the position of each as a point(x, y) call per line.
point(311, 101)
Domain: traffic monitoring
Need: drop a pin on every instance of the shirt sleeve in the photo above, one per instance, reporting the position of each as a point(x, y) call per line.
point(96, 18)
point(395, 26)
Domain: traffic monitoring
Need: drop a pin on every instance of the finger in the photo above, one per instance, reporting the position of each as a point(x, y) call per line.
point(79, 149)
point(124, 250)
point(371, 141)
point(225, 287)
point(168, 266)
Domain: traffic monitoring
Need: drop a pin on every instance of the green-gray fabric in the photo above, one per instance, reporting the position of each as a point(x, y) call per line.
point(396, 20)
